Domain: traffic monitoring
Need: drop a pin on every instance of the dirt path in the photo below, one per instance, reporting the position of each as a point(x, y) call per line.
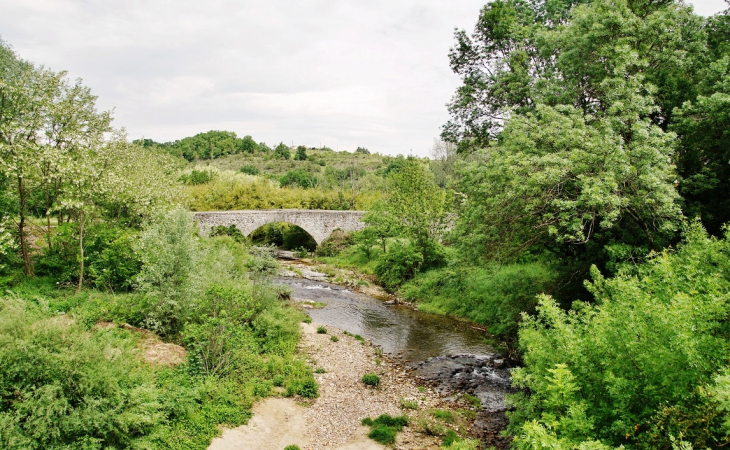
point(333, 420)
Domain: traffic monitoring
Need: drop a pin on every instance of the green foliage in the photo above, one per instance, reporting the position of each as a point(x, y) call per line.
point(299, 178)
point(397, 266)
point(371, 379)
point(362, 150)
point(231, 230)
point(335, 243)
point(248, 169)
point(301, 154)
point(321, 330)
point(639, 366)
point(494, 296)
point(408, 404)
point(170, 254)
point(384, 428)
point(334, 338)
point(109, 255)
point(198, 177)
point(282, 151)
point(291, 447)
point(63, 388)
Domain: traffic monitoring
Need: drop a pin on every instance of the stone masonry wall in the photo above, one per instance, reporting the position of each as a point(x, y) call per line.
point(319, 223)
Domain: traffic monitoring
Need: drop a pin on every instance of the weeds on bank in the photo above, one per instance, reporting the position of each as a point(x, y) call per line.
point(384, 429)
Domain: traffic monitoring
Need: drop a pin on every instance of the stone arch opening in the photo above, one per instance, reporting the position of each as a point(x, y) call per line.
point(285, 235)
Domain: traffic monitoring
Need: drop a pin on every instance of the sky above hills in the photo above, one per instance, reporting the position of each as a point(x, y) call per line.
point(317, 72)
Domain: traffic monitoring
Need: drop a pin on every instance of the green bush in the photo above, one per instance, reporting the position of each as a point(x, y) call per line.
point(61, 387)
point(334, 339)
point(232, 231)
point(109, 255)
point(335, 243)
point(384, 428)
point(291, 447)
point(170, 255)
point(495, 297)
point(321, 330)
point(399, 265)
point(250, 170)
point(644, 365)
point(371, 379)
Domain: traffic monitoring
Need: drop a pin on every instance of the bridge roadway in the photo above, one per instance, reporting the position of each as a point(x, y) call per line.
point(318, 223)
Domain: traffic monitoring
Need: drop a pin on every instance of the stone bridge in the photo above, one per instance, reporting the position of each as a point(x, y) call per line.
point(318, 223)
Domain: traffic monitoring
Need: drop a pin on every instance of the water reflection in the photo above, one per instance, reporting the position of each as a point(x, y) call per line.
point(396, 328)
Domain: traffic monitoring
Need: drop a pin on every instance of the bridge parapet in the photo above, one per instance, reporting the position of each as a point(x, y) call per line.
point(318, 223)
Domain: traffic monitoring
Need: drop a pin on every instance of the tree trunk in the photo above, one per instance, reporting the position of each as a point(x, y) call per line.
point(48, 218)
point(21, 229)
point(82, 219)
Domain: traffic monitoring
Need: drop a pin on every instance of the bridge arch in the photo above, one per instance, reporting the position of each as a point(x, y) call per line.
point(318, 223)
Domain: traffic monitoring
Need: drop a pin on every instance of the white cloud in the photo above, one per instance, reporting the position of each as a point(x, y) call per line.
point(337, 73)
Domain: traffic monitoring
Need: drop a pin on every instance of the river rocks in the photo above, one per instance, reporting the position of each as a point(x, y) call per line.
point(486, 377)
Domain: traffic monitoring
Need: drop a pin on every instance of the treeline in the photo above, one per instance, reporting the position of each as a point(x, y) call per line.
point(585, 171)
point(215, 144)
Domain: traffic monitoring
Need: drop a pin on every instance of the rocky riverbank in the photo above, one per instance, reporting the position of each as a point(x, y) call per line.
point(332, 421)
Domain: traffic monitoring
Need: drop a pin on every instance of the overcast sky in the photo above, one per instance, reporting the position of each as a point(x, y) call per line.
point(317, 72)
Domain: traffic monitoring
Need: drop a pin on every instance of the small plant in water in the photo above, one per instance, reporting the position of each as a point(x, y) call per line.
point(359, 338)
point(334, 339)
point(384, 428)
point(321, 330)
point(371, 379)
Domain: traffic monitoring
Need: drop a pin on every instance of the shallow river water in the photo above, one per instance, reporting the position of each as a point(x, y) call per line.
point(397, 329)
point(451, 355)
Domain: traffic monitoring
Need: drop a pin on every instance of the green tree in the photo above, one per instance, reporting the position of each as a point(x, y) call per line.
point(282, 151)
point(301, 153)
point(247, 145)
point(418, 204)
point(170, 255)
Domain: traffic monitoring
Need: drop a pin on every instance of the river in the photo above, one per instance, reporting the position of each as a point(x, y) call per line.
point(450, 354)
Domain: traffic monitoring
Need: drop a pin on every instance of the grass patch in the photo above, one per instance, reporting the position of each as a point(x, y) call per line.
point(334, 339)
point(442, 414)
point(321, 330)
point(320, 370)
point(474, 401)
point(408, 404)
point(385, 428)
point(371, 379)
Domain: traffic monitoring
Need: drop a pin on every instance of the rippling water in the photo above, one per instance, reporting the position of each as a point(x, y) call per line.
point(397, 329)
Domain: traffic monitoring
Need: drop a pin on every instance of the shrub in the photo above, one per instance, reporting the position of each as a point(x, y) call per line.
point(334, 339)
point(397, 266)
point(335, 243)
point(299, 178)
point(659, 337)
point(495, 297)
point(170, 255)
point(307, 319)
point(321, 330)
point(308, 389)
point(291, 447)
point(320, 370)
point(250, 170)
point(232, 231)
point(408, 404)
point(371, 379)
point(384, 428)
point(61, 387)
point(278, 380)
